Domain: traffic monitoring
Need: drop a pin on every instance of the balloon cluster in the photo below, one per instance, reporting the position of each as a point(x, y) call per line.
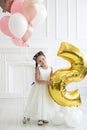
point(70, 116)
point(24, 16)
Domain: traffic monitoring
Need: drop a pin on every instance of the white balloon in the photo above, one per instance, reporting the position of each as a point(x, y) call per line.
point(73, 117)
point(40, 17)
point(58, 118)
point(18, 25)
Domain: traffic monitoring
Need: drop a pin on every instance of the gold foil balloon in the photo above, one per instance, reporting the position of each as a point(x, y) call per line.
point(75, 73)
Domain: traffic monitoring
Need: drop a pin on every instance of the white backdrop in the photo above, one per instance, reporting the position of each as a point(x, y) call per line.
point(66, 21)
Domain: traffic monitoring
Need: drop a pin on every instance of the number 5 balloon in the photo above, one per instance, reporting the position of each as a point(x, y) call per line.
point(61, 78)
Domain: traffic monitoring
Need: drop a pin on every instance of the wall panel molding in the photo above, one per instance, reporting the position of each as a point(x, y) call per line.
point(82, 19)
point(61, 19)
point(17, 71)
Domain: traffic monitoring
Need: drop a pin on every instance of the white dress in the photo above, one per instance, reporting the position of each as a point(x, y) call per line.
point(41, 106)
point(40, 103)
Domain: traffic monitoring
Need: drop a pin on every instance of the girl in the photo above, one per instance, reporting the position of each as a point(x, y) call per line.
point(39, 100)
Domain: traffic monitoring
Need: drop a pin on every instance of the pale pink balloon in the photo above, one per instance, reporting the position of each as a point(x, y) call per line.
point(17, 6)
point(28, 34)
point(19, 42)
point(30, 11)
point(34, 1)
point(4, 26)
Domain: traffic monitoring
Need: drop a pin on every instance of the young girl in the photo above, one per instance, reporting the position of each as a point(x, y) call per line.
point(39, 100)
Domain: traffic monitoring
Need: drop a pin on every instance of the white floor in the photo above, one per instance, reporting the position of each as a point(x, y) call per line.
point(11, 115)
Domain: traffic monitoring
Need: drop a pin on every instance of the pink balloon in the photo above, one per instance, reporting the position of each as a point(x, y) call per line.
point(17, 6)
point(4, 26)
point(30, 11)
point(20, 42)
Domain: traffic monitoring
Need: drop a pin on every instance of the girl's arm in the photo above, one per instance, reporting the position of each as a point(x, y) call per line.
point(51, 71)
point(37, 77)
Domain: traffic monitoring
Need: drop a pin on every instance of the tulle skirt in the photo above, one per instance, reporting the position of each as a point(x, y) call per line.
point(39, 105)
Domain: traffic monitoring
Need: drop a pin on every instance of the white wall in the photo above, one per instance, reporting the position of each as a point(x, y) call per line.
point(66, 21)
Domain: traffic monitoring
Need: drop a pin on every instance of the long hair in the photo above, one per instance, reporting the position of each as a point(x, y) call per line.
point(35, 57)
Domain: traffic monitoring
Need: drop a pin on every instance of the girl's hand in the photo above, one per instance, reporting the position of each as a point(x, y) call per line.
point(50, 82)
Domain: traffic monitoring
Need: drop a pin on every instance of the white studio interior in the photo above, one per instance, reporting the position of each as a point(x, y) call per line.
point(66, 21)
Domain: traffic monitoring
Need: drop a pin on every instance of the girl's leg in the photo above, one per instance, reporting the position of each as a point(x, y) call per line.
point(25, 119)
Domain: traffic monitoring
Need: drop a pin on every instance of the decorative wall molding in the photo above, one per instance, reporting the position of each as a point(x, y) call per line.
point(17, 71)
point(61, 19)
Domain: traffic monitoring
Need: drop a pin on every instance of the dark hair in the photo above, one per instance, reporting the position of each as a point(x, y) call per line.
point(36, 55)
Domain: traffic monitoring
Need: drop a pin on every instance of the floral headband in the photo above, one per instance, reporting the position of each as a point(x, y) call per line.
point(38, 54)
